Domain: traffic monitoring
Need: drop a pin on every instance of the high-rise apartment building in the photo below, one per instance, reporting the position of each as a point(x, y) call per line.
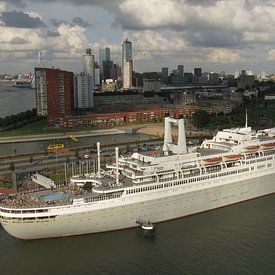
point(127, 65)
point(83, 85)
point(54, 89)
point(89, 63)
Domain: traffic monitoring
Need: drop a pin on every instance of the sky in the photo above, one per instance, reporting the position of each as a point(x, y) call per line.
point(215, 35)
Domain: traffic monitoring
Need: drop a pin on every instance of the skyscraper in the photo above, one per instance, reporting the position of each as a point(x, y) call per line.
point(127, 65)
point(181, 70)
point(104, 55)
point(164, 75)
point(89, 63)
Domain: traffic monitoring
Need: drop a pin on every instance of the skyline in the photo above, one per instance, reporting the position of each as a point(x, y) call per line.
point(213, 34)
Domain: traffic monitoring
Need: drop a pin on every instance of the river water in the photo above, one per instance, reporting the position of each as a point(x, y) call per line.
point(239, 239)
point(15, 100)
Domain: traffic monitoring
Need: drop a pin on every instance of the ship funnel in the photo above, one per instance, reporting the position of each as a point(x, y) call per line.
point(98, 158)
point(182, 149)
point(168, 146)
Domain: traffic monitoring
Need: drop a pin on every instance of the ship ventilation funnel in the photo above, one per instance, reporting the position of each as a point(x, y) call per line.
point(168, 146)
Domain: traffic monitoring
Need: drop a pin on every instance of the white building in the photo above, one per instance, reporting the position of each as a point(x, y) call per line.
point(83, 91)
point(97, 76)
point(127, 65)
point(89, 64)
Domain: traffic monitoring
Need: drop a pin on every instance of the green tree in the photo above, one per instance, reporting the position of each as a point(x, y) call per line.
point(201, 119)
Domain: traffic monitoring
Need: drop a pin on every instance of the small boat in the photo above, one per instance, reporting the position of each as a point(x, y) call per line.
point(267, 146)
point(147, 227)
point(251, 149)
point(55, 146)
point(231, 157)
point(211, 161)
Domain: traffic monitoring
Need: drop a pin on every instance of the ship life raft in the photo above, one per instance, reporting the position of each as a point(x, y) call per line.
point(268, 146)
point(251, 149)
point(211, 161)
point(231, 157)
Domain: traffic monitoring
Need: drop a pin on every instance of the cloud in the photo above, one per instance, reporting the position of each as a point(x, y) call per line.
point(2, 6)
point(76, 21)
point(80, 22)
point(52, 33)
point(270, 54)
point(18, 41)
point(57, 22)
point(163, 32)
point(19, 19)
point(223, 56)
point(17, 3)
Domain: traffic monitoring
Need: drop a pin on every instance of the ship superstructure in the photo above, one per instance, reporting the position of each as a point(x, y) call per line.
point(234, 166)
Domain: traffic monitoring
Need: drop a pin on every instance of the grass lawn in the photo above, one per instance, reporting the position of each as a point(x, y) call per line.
point(33, 128)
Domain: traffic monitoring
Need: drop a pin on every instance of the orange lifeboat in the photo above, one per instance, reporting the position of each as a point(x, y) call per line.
point(251, 149)
point(211, 161)
point(232, 157)
point(268, 146)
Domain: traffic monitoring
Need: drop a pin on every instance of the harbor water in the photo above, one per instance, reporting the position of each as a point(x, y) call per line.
point(15, 100)
point(238, 239)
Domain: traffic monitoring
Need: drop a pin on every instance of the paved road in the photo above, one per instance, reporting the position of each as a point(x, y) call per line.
point(40, 162)
point(89, 133)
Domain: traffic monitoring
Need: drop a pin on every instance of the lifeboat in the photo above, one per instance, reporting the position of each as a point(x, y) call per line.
point(211, 161)
point(55, 146)
point(267, 146)
point(251, 149)
point(231, 157)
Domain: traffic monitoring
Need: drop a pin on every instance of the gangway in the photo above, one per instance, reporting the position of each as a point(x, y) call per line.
point(44, 181)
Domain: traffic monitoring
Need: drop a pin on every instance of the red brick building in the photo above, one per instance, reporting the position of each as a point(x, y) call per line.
point(54, 93)
point(122, 118)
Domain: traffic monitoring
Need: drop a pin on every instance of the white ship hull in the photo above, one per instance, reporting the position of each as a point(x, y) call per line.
point(178, 201)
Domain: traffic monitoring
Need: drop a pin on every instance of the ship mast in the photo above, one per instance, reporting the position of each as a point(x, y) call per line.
point(117, 169)
point(246, 119)
point(98, 158)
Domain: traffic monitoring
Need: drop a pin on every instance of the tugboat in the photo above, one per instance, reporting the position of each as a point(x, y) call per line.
point(148, 228)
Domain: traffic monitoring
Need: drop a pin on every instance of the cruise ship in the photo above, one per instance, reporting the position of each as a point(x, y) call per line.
point(234, 166)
